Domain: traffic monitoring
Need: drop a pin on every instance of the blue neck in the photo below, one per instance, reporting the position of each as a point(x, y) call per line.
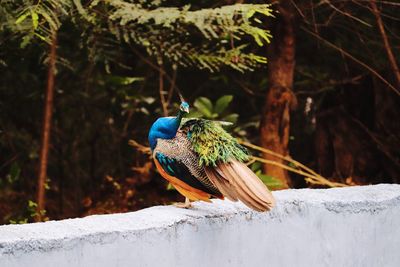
point(164, 128)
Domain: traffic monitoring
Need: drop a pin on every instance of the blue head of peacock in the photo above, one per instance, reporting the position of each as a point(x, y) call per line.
point(166, 127)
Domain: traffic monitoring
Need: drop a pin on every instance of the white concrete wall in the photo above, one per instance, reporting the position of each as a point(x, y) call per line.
point(356, 226)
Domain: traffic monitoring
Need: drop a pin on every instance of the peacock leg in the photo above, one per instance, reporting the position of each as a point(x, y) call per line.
point(185, 205)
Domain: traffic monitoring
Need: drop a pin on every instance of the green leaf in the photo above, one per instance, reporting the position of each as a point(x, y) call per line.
point(256, 166)
point(231, 118)
point(222, 103)
point(129, 80)
point(195, 114)
point(35, 19)
point(82, 11)
point(21, 18)
point(14, 173)
point(120, 80)
point(51, 20)
point(26, 40)
point(41, 37)
point(270, 181)
point(214, 116)
point(47, 184)
point(250, 13)
point(144, 111)
point(258, 40)
point(148, 100)
point(204, 105)
point(170, 187)
point(32, 204)
point(291, 164)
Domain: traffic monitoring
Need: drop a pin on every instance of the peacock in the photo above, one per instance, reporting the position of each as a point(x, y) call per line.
point(201, 160)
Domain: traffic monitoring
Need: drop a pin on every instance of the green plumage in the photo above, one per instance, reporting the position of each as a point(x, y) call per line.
point(212, 143)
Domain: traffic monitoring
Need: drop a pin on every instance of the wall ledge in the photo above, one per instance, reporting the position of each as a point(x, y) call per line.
point(353, 226)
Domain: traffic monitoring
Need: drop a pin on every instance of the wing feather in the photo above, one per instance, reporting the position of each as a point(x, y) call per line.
point(236, 181)
point(222, 184)
point(179, 170)
point(222, 159)
point(245, 194)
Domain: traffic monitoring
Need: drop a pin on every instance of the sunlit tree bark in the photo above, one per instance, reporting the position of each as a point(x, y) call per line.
point(276, 118)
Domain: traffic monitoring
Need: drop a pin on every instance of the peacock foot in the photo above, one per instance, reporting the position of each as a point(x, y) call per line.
point(185, 205)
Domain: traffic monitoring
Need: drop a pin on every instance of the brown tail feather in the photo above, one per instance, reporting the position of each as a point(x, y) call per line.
point(254, 184)
point(236, 181)
point(221, 184)
point(240, 186)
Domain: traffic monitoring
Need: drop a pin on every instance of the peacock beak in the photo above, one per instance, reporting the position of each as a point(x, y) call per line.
point(186, 109)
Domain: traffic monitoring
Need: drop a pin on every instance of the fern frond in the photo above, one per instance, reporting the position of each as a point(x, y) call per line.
point(201, 38)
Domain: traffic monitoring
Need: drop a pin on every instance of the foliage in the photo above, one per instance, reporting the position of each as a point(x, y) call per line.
point(14, 175)
point(204, 108)
point(29, 213)
point(35, 19)
point(168, 33)
point(268, 180)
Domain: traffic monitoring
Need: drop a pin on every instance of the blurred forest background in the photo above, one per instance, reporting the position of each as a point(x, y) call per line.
point(82, 81)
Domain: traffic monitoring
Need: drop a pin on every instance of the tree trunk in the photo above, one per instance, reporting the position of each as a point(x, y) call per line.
point(279, 98)
point(48, 111)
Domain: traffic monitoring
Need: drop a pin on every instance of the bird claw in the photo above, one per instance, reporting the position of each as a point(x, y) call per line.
point(184, 205)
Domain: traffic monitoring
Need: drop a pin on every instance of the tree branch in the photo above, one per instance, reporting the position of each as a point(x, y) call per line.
point(388, 48)
point(375, 73)
point(161, 92)
point(48, 112)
